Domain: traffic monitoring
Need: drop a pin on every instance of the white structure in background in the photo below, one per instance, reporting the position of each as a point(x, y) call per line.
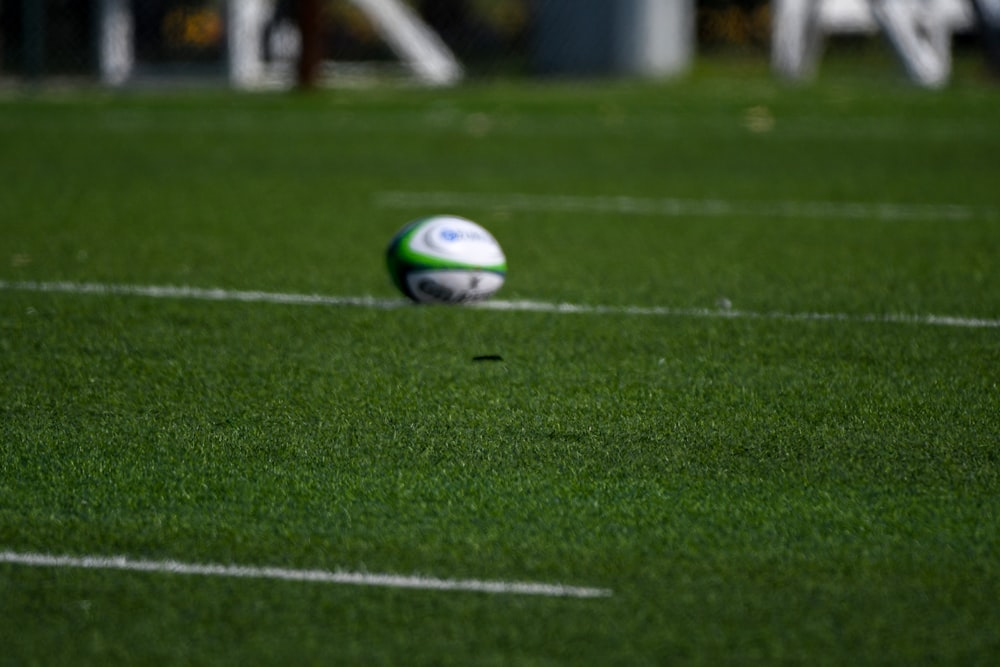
point(417, 46)
point(413, 41)
point(619, 37)
point(115, 48)
point(919, 30)
point(245, 23)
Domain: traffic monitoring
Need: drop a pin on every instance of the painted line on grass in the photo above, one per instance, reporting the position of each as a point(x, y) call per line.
point(311, 576)
point(726, 313)
point(671, 207)
point(216, 294)
point(200, 294)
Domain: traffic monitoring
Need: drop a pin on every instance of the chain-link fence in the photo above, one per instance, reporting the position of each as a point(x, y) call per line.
point(46, 39)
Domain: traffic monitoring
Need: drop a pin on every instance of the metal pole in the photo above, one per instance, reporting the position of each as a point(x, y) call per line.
point(309, 15)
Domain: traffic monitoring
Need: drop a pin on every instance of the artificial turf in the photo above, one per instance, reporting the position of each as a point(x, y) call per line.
point(797, 464)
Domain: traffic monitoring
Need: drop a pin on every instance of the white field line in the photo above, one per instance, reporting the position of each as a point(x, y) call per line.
point(668, 207)
point(216, 294)
point(253, 296)
point(311, 576)
point(200, 294)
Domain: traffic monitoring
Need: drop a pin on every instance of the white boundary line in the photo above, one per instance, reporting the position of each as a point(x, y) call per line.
point(670, 207)
point(311, 576)
point(216, 294)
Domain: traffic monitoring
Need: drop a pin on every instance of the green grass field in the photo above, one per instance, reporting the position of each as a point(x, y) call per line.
point(767, 422)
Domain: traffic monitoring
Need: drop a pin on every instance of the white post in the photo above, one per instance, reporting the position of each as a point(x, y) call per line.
point(656, 36)
point(245, 21)
point(796, 38)
point(116, 53)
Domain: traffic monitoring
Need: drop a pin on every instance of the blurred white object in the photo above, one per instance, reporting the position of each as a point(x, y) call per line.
point(115, 51)
point(413, 42)
point(630, 37)
point(919, 30)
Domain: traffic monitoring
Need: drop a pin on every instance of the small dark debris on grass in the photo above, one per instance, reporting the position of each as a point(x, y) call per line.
point(487, 357)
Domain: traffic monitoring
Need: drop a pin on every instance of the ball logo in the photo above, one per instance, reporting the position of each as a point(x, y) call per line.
point(452, 235)
point(458, 239)
point(437, 291)
point(453, 286)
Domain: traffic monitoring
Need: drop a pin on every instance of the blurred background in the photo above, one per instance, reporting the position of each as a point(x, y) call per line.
point(274, 43)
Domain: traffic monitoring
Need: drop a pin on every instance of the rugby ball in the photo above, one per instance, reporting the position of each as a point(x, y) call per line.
point(446, 259)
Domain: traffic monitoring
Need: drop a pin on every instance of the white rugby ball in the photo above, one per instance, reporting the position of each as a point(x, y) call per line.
point(446, 259)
